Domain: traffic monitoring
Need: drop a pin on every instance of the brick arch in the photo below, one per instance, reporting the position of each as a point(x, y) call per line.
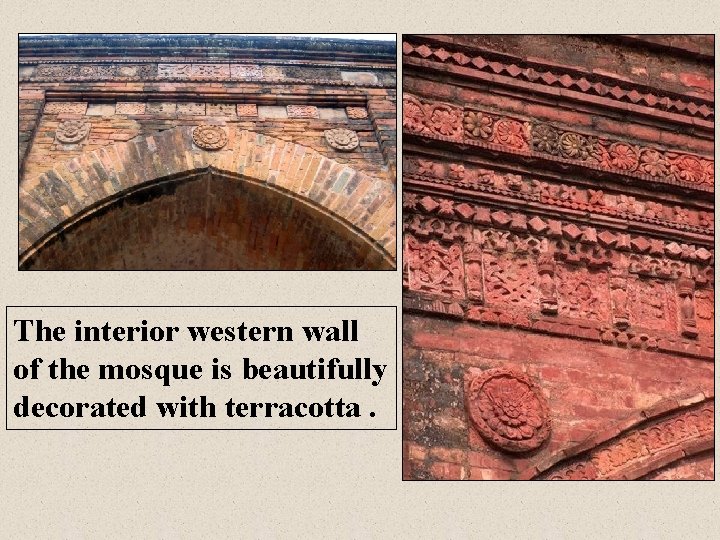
point(55, 200)
point(672, 430)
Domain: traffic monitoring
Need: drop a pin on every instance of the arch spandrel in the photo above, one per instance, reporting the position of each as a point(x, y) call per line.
point(71, 191)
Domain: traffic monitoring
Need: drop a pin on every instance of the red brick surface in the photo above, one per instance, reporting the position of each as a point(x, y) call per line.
point(558, 257)
point(134, 107)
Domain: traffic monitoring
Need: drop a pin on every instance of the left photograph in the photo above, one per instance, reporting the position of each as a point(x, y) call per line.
point(207, 152)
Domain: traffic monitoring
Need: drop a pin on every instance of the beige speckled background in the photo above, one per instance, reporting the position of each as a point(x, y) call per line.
point(309, 484)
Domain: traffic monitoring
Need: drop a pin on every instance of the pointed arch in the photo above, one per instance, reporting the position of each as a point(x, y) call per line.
point(56, 200)
point(672, 430)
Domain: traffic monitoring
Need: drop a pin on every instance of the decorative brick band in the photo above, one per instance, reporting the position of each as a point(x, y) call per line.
point(199, 72)
point(486, 183)
point(508, 319)
point(638, 446)
point(485, 216)
point(551, 277)
point(183, 108)
point(57, 199)
point(442, 121)
point(587, 83)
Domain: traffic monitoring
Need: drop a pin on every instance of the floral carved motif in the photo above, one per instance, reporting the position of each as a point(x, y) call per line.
point(356, 113)
point(194, 71)
point(432, 118)
point(209, 137)
point(302, 111)
point(433, 268)
point(241, 71)
point(210, 71)
point(446, 120)
point(546, 139)
point(583, 294)
point(98, 71)
point(341, 139)
point(72, 131)
point(508, 409)
point(575, 146)
point(478, 125)
point(511, 133)
point(58, 71)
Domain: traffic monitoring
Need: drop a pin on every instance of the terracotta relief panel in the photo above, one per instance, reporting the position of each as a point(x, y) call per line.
point(434, 268)
point(511, 280)
point(583, 293)
point(652, 304)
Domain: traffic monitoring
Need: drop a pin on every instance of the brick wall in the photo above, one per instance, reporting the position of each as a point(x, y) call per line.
point(558, 257)
point(117, 90)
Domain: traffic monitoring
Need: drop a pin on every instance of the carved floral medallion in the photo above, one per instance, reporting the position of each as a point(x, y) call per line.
point(209, 137)
point(72, 131)
point(508, 410)
point(342, 139)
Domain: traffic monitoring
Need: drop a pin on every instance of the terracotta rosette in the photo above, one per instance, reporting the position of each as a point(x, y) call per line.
point(72, 131)
point(508, 409)
point(209, 137)
point(342, 139)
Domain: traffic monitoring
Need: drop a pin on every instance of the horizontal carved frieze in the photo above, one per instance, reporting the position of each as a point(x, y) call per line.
point(608, 292)
point(522, 222)
point(444, 121)
point(244, 110)
point(504, 317)
point(177, 72)
point(587, 83)
point(523, 188)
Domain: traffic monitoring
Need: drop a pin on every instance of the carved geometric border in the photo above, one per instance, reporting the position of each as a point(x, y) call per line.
point(452, 215)
point(487, 182)
point(644, 442)
point(582, 82)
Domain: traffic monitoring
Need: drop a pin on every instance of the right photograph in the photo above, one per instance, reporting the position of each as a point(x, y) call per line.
point(558, 257)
